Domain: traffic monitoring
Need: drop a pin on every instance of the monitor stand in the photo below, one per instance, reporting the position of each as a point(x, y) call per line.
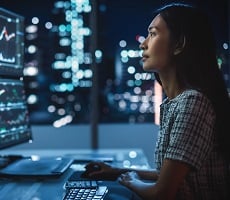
point(34, 166)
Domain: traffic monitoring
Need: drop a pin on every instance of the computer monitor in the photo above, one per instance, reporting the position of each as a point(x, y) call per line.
point(14, 118)
point(11, 43)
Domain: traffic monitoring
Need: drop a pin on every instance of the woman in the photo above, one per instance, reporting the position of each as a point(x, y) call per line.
point(192, 151)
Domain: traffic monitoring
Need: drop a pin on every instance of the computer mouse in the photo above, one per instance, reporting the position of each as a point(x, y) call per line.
point(89, 169)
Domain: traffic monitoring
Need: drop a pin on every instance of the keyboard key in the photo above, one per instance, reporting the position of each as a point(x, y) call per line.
point(86, 193)
point(81, 184)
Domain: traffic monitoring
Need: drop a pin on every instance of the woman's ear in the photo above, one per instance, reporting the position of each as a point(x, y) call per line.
point(180, 46)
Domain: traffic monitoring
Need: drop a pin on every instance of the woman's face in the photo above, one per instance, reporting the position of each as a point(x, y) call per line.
point(156, 48)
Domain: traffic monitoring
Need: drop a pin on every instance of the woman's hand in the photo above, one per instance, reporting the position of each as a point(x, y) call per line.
point(100, 171)
point(129, 179)
point(132, 181)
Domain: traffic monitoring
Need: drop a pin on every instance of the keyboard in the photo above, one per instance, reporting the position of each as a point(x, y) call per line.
point(78, 188)
point(84, 193)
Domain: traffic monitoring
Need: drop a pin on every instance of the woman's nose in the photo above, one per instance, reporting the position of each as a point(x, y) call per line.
point(141, 46)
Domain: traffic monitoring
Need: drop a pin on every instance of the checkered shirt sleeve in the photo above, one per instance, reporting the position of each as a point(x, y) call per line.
point(186, 133)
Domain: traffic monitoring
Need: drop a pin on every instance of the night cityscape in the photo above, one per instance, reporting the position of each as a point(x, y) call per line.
point(83, 57)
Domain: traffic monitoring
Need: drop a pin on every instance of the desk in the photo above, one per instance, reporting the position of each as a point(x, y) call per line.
point(52, 189)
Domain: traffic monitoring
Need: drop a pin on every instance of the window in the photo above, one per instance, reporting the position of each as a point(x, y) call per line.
point(68, 43)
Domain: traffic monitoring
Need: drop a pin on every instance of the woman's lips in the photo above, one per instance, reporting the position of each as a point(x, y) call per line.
point(144, 57)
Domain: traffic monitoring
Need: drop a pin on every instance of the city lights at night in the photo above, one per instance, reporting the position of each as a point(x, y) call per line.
point(60, 62)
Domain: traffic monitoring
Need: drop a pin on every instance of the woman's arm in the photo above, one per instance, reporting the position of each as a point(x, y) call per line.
point(171, 176)
point(148, 174)
point(101, 170)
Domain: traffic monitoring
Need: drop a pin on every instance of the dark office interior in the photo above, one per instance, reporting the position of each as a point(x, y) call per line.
point(84, 87)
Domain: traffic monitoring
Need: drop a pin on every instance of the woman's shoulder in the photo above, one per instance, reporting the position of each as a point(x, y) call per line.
point(189, 96)
point(193, 97)
point(191, 93)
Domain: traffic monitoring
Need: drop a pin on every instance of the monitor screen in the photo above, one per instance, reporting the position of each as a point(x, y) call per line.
point(14, 118)
point(11, 43)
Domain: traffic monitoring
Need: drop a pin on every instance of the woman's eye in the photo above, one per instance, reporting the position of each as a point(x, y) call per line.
point(151, 34)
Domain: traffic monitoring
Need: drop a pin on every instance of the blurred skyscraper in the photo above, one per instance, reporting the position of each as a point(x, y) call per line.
point(62, 54)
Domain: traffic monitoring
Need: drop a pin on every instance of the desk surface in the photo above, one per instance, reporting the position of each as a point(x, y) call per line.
point(52, 189)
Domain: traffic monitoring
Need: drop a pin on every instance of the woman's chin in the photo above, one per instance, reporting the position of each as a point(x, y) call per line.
point(148, 68)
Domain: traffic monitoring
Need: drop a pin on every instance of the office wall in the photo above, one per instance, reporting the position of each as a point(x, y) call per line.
point(130, 136)
point(110, 136)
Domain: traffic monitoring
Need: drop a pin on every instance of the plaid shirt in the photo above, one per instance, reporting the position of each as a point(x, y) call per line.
point(187, 135)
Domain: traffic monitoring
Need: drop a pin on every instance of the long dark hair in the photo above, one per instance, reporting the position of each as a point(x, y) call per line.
point(197, 66)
